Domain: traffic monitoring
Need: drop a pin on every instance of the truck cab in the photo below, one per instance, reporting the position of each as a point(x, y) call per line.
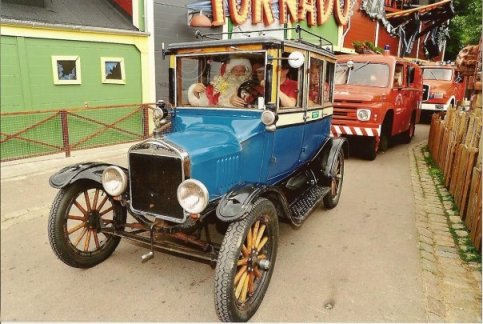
point(376, 97)
point(444, 86)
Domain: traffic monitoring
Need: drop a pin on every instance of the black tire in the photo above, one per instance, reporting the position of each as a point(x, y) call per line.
point(229, 277)
point(332, 198)
point(370, 149)
point(408, 135)
point(75, 218)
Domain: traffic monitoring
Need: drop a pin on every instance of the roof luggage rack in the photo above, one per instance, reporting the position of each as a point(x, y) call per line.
point(324, 43)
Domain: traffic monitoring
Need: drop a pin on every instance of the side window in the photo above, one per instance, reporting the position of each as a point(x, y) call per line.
point(315, 82)
point(112, 70)
point(290, 94)
point(329, 82)
point(398, 76)
point(66, 69)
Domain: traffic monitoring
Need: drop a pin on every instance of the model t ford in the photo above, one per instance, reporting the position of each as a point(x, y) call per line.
point(249, 144)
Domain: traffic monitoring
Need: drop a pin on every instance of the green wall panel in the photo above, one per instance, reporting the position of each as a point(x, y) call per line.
point(44, 94)
point(329, 31)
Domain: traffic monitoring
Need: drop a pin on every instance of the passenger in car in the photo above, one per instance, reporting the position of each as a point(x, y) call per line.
point(288, 87)
point(223, 90)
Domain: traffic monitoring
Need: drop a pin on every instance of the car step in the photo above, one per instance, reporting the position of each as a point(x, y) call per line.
point(310, 199)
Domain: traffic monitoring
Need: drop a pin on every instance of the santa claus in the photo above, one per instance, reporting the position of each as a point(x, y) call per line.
point(222, 91)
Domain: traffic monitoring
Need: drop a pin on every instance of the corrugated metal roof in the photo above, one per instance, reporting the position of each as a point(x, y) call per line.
point(95, 13)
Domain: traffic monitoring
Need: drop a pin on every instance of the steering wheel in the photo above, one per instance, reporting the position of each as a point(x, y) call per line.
point(249, 91)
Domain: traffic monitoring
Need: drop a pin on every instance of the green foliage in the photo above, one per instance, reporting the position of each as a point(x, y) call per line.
point(360, 46)
point(465, 27)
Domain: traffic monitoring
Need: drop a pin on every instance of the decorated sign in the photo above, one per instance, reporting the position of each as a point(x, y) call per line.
point(312, 11)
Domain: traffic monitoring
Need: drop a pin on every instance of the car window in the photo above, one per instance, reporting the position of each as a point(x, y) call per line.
point(437, 74)
point(316, 79)
point(363, 74)
point(398, 76)
point(290, 90)
point(221, 80)
point(329, 82)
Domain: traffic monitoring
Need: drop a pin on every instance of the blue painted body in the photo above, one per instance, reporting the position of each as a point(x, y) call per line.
point(229, 147)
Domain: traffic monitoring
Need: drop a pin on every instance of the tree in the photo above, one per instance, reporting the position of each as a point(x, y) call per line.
point(464, 28)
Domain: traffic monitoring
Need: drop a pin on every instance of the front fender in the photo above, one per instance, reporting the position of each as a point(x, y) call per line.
point(82, 171)
point(337, 144)
point(238, 202)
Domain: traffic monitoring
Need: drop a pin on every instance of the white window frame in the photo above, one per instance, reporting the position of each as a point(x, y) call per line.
point(103, 70)
point(55, 71)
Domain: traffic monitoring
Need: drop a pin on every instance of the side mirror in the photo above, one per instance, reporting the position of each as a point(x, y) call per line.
point(296, 60)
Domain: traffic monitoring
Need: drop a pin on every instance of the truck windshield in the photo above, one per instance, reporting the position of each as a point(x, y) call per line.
point(221, 80)
point(363, 74)
point(437, 74)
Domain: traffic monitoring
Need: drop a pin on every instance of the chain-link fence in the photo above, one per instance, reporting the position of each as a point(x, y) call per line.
point(34, 133)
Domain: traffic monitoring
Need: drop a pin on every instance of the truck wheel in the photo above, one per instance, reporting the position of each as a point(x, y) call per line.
point(245, 263)
point(370, 149)
point(332, 198)
point(409, 134)
point(77, 215)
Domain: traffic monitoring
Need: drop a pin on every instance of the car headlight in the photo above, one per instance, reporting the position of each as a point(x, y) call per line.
point(269, 117)
point(114, 180)
point(158, 115)
point(193, 196)
point(438, 95)
point(363, 114)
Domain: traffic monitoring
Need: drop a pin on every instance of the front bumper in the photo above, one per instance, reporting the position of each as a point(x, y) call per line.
point(435, 106)
point(340, 130)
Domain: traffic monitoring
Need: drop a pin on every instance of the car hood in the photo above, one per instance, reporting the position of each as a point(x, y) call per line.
point(352, 93)
point(439, 86)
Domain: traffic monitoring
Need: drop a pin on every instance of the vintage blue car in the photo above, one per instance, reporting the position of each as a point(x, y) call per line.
point(244, 140)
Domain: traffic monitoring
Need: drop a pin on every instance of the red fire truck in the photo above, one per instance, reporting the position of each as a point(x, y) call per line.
point(376, 97)
point(443, 86)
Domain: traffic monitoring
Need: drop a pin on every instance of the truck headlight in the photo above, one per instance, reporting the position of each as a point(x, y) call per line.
point(158, 115)
point(193, 196)
point(363, 114)
point(114, 180)
point(438, 95)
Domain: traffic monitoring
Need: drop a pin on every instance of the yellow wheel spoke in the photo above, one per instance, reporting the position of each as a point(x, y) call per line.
point(240, 285)
point(106, 211)
point(255, 229)
point(261, 257)
point(80, 237)
point(251, 286)
point(245, 251)
point(240, 273)
point(74, 217)
point(80, 207)
point(262, 243)
point(249, 239)
point(76, 228)
point(260, 234)
point(102, 203)
point(244, 290)
point(87, 241)
point(88, 200)
point(242, 261)
point(96, 239)
point(96, 197)
point(257, 272)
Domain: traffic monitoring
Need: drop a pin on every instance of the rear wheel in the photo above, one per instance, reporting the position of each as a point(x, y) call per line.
point(370, 149)
point(332, 198)
point(75, 226)
point(245, 263)
point(409, 134)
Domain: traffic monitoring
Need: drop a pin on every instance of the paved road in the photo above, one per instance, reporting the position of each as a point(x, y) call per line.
point(361, 258)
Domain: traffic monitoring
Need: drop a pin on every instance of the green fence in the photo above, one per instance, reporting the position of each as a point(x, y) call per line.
point(29, 134)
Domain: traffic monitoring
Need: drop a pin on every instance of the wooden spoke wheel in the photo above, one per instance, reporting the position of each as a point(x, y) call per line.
point(332, 198)
point(246, 262)
point(78, 214)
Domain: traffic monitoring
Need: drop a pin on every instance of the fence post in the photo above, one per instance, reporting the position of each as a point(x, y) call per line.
point(145, 121)
point(65, 132)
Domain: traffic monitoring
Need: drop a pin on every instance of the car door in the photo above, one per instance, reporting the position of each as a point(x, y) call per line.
point(288, 136)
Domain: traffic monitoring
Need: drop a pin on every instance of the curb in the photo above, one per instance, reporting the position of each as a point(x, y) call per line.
point(452, 286)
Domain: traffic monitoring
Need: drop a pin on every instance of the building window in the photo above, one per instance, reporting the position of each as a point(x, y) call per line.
point(66, 69)
point(112, 69)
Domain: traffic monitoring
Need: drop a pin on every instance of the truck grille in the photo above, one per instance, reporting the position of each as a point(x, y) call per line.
point(155, 174)
point(344, 113)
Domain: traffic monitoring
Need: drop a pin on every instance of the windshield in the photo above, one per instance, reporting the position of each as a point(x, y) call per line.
point(437, 74)
point(363, 74)
point(221, 80)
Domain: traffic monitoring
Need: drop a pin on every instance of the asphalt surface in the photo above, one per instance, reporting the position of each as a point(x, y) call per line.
point(358, 262)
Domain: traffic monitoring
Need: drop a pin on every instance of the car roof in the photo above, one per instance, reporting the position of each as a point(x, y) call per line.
point(376, 58)
point(267, 42)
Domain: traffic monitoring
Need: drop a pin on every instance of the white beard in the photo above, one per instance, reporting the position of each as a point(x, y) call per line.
point(229, 85)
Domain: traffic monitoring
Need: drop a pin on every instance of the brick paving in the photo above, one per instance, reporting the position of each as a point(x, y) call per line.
point(452, 286)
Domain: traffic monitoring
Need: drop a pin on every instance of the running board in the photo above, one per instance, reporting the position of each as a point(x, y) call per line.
point(307, 202)
point(167, 246)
